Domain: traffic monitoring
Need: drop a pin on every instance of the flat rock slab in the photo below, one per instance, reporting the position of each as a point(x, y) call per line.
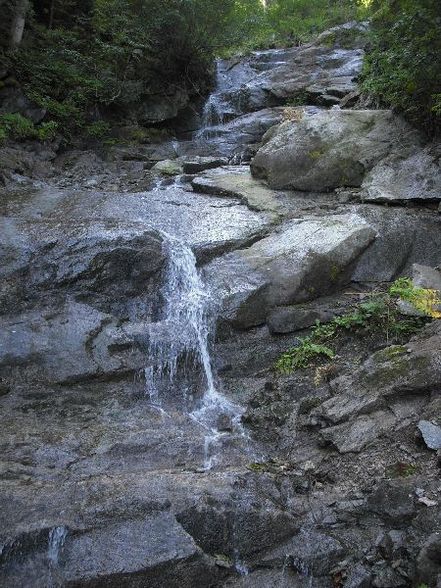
point(237, 182)
point(205, 224)
point(354, 436)
point(303, 260)
point(323, 150)
point(154, 551)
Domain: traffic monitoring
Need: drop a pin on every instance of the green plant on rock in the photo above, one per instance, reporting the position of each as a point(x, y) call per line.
point(425, 300)
point(47, 131)
point(303, 355)
point(379, 314)
point(17, 127)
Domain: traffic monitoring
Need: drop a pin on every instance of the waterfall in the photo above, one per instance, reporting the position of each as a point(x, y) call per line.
point(183, 333)
point(179, 350)
point(214, 111)
point(56, 540)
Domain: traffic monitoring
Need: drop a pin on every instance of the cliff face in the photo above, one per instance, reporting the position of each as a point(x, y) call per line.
point(148, 291)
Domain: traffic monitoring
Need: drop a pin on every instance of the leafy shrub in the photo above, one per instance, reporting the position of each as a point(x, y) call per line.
point(16, 126)
point(47, 130)
point(284, 22)
point(302, 356)
point(295, 21)
point(98, 129)
point(99, 58)
point(403, 66)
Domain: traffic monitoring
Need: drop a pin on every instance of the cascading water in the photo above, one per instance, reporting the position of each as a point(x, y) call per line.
point(183, 334)
point(56, 540)
point(214, 111)
point(179, 349)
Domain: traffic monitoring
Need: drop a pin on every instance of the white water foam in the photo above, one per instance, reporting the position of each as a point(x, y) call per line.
point(56, 541)
point(179, 348)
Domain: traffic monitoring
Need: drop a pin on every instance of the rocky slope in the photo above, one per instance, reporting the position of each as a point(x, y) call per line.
point(139, 451)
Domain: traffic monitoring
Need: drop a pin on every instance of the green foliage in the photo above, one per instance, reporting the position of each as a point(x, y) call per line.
point(284, 22)
point(98, 129)
point(379, 314)
point(295, 21)
point(99, 58)
point(403, 67)
point(83, 60)
point(302, 355)
point(425, 300)
point(17, 127)
point(47, 131)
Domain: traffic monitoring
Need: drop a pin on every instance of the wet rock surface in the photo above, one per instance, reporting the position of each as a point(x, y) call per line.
point(138, 447)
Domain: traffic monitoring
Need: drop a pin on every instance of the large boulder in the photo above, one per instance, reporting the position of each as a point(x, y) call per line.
point(168, 167)
point(324, 150)
point(305, 259)
point(152, 551)
point(156, 550)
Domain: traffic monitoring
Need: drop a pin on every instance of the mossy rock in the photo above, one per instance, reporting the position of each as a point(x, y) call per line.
point(168, 167)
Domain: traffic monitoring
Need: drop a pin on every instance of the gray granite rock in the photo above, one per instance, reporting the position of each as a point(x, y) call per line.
point(431, 434)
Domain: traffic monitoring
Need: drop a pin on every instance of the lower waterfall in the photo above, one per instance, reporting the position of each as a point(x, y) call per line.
point(179, 349)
